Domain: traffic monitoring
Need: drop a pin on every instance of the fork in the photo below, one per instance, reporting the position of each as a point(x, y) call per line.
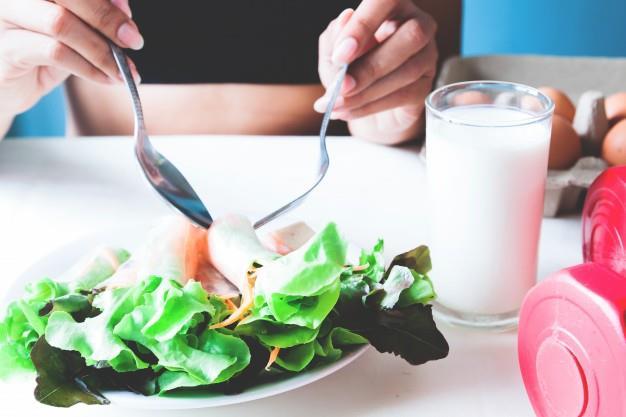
point(162, 175)
point(324, 160)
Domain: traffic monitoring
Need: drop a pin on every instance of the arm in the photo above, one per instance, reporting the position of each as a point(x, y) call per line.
point(5, 125)
point(43, 42)
point(392, 52)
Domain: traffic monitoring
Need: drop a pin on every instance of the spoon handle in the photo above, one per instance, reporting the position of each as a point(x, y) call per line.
point(122, 64)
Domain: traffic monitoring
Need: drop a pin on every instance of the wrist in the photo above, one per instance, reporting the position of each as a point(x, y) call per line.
point(5, 124)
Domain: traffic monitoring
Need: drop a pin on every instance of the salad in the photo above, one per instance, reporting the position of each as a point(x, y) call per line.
point(215, 310)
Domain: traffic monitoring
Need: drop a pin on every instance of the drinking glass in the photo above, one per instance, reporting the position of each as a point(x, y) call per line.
point(487, 146)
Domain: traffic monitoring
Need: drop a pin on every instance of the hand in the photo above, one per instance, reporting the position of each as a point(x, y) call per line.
point(392, 54)
point(43, 42)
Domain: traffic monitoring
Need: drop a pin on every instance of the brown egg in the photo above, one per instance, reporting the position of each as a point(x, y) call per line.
point(472, 97)
point(614, 145)
point(565, 145)
point(563, 106)
point(615, 106)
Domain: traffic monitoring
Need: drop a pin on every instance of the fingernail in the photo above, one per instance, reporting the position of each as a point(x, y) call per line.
point(134, 72)
point(123, 6)
point(320, 104)
point(344, 51)
point(388, 28)
point(130, 36)
point(349, 83)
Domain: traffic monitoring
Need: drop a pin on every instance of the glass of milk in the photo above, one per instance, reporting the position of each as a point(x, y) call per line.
point(487, 149)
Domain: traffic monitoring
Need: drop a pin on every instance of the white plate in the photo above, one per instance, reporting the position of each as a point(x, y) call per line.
point(130, 237)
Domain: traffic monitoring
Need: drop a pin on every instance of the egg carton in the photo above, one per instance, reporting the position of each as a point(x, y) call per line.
point(565, 189)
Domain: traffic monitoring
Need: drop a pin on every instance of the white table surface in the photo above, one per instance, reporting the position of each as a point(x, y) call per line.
point(54, 191)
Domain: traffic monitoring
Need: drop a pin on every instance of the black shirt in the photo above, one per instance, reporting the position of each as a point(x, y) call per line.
point(232, 41)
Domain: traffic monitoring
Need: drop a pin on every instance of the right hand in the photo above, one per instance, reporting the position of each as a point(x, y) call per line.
point(43, 42)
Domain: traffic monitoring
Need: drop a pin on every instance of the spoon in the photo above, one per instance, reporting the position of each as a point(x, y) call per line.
point(162, 175)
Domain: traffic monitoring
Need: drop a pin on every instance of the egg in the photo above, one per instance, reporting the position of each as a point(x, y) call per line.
point(563, 106)
point(615, 106)
point(565, 144)
point(614, 145)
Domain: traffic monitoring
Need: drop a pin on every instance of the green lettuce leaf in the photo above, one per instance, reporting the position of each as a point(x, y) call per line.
point(330, 346)
point(296, 358)
point(210, 358)
point(155, 323)
point(273, 333)
point(392, 314)
point(94, 338)
point(421, 291)
point(294, 294)
point(23, 325)
point(375, 261)
point(302, 287)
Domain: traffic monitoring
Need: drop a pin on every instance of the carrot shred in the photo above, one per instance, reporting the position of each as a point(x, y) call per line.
point(229, 304)
point(273, 356)
point(359, 268)
point(247, 300)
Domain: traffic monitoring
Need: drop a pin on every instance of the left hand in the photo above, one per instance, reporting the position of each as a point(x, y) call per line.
point(392, 53)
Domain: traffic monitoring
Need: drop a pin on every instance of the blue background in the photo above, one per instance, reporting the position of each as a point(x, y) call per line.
point(554, 27)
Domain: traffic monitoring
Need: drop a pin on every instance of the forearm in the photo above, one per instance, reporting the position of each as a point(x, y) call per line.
point(377, 131)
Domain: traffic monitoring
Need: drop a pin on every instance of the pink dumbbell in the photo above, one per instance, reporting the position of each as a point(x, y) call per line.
point(572, 343)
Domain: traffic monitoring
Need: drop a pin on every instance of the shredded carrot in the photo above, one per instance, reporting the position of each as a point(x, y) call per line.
point(359, 268)
point(245, 305)
point(229, 304)
point(273, 356)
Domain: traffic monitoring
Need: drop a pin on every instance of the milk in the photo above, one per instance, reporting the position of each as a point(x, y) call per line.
point(486, 187)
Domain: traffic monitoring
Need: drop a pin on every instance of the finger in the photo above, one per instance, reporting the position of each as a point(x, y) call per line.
point(361, 28)
point(123, 6)
point(53, 20)
point(133, 70)
point(108, 19)
point(384, 31)
point(26, 50)
point(412, 96)
point(409, 39)
point(326, 68)
point(421, 64)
